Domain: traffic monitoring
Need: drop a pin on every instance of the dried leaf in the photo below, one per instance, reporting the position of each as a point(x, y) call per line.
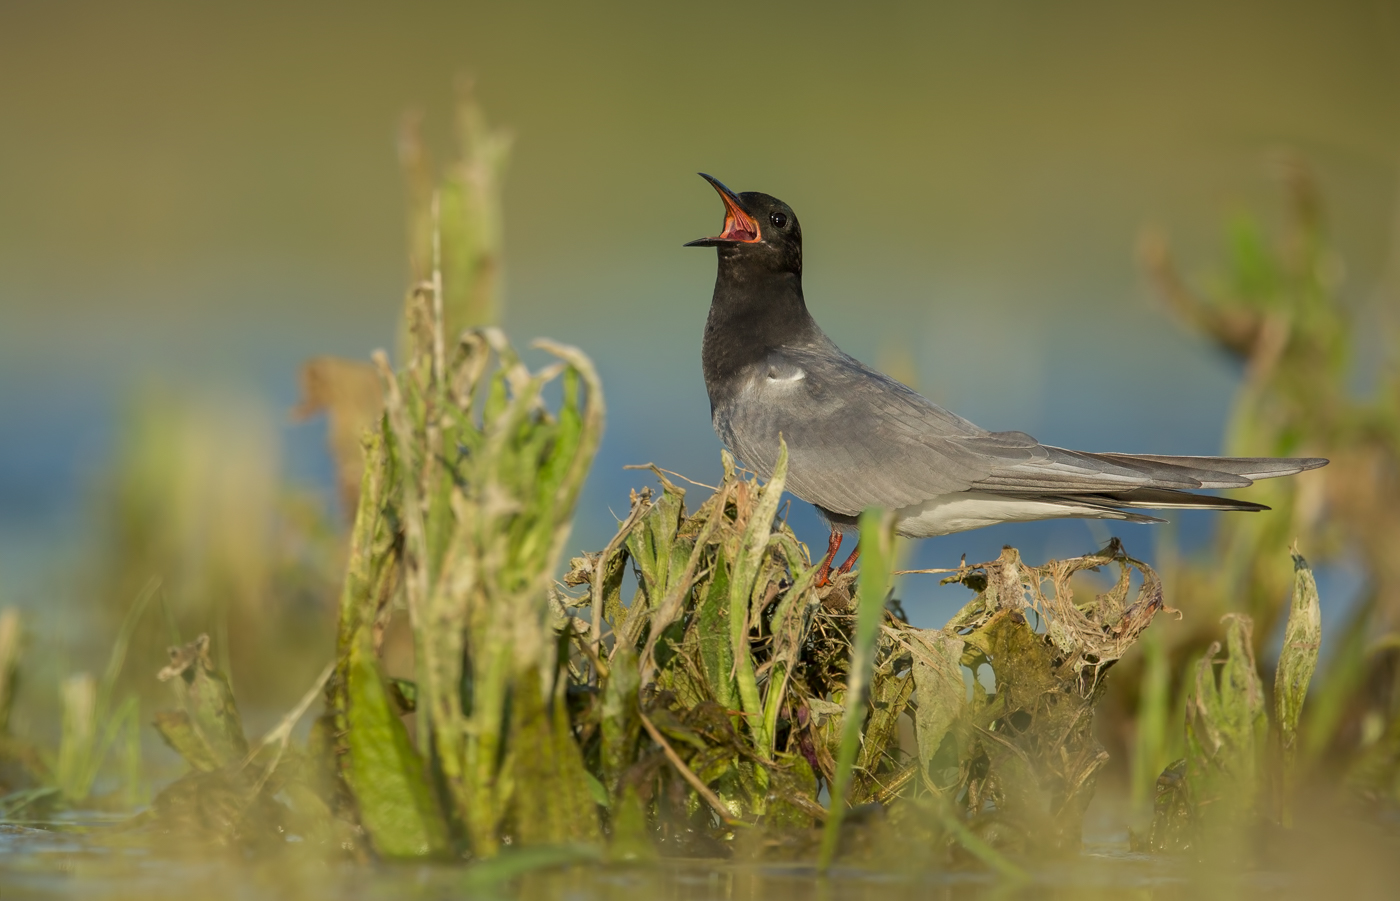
point(350, 394)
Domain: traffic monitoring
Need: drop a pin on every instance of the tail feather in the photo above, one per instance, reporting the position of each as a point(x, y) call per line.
point(1252, 468)
point(1166, 499)
point(1123, 504)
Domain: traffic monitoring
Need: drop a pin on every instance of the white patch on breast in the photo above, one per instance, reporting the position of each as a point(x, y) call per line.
point(780, 382)
point(972, 510)
point(759, 387)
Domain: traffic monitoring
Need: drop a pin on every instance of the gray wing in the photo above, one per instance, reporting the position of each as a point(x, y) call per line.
point(857, 438)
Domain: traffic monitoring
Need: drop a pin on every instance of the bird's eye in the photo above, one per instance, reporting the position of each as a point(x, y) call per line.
point(778, 219)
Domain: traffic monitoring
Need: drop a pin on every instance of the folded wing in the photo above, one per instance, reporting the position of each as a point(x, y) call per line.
point(857, 438)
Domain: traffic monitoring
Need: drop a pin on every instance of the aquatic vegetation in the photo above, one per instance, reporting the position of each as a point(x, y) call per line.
point(723, 697)
point(1241, 766)
point(711, 710)
point(1277, 306)
point(454, 253)
point(467, 499)
point(795, 660)
point(92, 721)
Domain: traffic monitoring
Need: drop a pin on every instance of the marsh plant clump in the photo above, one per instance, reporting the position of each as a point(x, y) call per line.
point(715, 706)
point(729, 705)
point(829, 687)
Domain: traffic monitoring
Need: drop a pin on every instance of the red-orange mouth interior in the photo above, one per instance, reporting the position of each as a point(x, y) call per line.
point(738, 225)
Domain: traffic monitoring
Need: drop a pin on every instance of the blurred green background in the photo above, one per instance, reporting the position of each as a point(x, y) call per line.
point(196, 198)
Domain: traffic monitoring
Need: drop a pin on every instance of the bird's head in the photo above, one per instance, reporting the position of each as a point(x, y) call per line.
point(759, 230)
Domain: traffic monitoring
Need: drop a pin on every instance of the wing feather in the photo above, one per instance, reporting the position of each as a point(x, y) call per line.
point(857, 438)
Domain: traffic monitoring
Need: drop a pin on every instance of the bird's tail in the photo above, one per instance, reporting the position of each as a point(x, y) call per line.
point(1220, 472)
point(1209, 472)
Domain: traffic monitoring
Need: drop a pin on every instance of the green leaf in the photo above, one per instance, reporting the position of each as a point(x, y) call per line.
point(174, 726)
point(405, 694)
point(651, 545)
point(596, 789)
point(621, 720)
point(208, 702)
point(747, 567)
point(396, 804)
point(552, 800)
point(1298, 658)
point(1226, 729)
point(712, 633)
point(889, 697)
point(567, 435)
point(939, 690)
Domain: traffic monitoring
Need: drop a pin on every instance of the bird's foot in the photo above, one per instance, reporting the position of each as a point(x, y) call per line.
point(833, 544)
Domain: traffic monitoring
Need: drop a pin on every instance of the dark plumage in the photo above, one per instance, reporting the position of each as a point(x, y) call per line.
point(857, 438)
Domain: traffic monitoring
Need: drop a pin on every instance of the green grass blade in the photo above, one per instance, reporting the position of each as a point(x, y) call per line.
point(77, 742)
point(516, 862)
point(877, 543)
point(123, 641)
point(978, 847)
point(789, 634)
point(713, 638)
point(1150, 749)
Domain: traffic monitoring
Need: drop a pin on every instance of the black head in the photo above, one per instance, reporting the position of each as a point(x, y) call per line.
point(759, 230)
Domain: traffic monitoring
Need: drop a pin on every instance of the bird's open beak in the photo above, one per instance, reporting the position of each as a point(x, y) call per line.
point(739, 226)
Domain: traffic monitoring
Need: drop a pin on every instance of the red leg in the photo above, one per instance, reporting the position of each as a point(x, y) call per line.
point(833, 545)
point(850, 561)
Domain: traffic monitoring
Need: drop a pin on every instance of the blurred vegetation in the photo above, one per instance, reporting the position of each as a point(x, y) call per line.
point(454, 255)
point(196, 499)
point(454, 217)
point(1240, 768)
point(1277, 308)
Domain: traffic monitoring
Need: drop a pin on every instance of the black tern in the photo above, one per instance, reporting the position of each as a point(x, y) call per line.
point(857, 438)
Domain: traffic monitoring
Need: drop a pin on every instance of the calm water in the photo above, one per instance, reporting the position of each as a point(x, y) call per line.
point(47, 865)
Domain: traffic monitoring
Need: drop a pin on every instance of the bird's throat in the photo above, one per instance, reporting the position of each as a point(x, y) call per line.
point(754, 310)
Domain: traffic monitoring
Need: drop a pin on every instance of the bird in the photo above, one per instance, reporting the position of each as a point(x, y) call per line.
point(857, 438)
